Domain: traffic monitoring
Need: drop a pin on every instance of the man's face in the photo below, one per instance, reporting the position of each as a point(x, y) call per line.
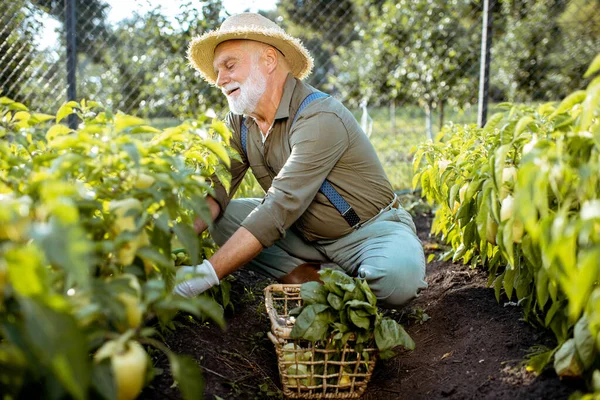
point(239, 74)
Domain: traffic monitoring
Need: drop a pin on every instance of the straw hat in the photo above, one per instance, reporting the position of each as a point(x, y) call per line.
point(250, 26)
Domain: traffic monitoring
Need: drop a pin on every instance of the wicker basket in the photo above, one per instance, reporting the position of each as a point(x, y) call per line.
point(314, 370)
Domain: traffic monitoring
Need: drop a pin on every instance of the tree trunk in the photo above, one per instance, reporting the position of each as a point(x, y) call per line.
point(393, 115)
point(428, 121)
point(441, 114)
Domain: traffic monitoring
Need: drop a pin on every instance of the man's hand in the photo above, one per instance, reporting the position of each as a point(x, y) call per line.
point(237, 251)
point(199, 224)
point(193, 280)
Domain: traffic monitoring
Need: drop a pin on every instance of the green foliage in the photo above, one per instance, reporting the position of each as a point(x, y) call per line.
point(87, 224)
point(342, 307)
point(151, 74)
point(541, 48)
point(426, 42)
point(323, 30)
point(19, 56)
point(90, 23)
point(522, 197)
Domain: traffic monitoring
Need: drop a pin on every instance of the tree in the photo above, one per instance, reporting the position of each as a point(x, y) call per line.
point(90, 23)
point(151, 74)
point(545, 48)
point(17, 52)
point(417, 51)
point(323, 26)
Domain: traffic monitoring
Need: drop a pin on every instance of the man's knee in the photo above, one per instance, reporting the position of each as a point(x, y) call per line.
point(395, 281)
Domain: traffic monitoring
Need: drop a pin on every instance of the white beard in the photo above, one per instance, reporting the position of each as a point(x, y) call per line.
point(251, 90)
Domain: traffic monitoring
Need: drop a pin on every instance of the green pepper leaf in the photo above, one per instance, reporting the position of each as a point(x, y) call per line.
point(188, 375)
point(566, 361)
point(584, 342)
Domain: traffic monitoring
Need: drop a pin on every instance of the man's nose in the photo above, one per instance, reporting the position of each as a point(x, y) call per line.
point(222, 79)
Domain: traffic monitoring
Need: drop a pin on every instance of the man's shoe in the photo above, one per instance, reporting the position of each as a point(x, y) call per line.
point(306, 272)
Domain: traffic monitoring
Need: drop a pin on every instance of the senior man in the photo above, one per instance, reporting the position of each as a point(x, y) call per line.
point(327, 198)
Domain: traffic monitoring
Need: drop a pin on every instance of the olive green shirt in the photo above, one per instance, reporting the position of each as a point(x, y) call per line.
point(325, 142)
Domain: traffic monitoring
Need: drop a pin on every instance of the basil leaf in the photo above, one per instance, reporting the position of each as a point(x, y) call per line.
point(313, 293)
point(305, 319)
point(368, 293)
point(335, 280)
point(371, 310)
point(355, 294)
point(318, 329)
point(360, 321)
point(389, 334)
point(334, 301)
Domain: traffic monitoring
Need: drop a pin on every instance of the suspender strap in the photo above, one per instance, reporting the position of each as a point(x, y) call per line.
point(244, 136)
point(340, 204)
point(326, 188)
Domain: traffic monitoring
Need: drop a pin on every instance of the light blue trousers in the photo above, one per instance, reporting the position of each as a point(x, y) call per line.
point(385, 251)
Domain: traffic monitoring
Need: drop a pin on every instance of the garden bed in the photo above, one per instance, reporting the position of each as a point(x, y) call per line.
point(470, 347)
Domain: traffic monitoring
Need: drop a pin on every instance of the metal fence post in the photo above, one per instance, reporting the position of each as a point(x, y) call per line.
point(70, 15)
point(484, 72)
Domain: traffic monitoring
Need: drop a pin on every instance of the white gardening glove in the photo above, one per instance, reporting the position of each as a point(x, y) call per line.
point(193, 280)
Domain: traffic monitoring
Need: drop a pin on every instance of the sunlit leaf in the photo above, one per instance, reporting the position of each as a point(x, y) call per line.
point(221, 128)
point(569, 101)
point(17, 107)
point(594, 67)
point(123, 121)
point(57, 130)
point(218, 149)
point(26, 270)
point(63, 111)
point(522, 124)
point(590, 104)
point(144, 129)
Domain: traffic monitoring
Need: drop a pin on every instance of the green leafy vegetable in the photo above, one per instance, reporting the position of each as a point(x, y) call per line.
point(343, 308)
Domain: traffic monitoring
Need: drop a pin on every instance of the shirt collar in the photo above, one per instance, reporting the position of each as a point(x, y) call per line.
point(283, 111)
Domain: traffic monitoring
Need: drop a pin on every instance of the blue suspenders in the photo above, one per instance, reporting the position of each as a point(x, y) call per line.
point(326, 188)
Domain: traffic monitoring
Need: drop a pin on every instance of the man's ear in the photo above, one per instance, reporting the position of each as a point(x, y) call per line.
point(271, 59)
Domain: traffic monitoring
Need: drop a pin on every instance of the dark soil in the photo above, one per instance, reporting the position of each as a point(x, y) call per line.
point(471, 347)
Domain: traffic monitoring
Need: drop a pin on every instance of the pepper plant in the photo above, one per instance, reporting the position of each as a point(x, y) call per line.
point(87, 224)
point(521, 196)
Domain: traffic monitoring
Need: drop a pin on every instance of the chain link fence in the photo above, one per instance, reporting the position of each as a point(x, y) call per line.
point(413, 63)
point(423, 53)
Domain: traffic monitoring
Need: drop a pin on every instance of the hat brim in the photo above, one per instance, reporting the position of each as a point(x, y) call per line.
point(201, 52)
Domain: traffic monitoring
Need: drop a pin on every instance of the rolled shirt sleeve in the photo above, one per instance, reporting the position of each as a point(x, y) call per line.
point(317, 141)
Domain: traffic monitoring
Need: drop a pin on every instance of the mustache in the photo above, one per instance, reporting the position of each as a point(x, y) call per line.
point(227, 89)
